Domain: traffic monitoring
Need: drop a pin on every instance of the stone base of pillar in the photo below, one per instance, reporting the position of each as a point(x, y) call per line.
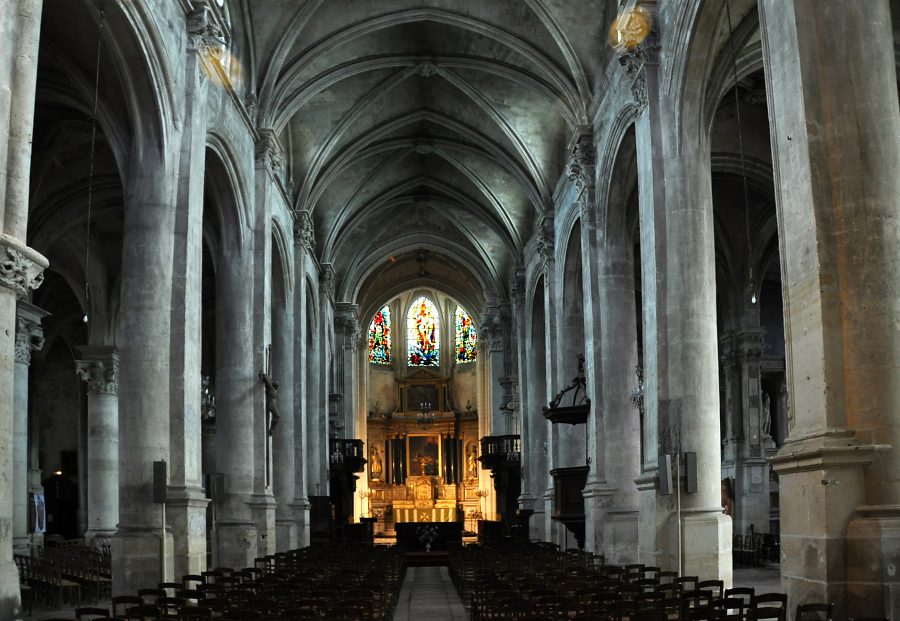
point(186, 514)
point(620, 536)
point(301, 518)
point(752, 497)
point(136, 561)
point(549, 524)
point(536, 522)
point(263, 507)
point(873, 551)
point(285, 534)
point(597, 499)
point(10, 603)
point(706, 542)
point(238, 544)
point(93, 534)
point(650, 521)
point(824, 476)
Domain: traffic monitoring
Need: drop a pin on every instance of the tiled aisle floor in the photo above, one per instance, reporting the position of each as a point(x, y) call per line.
point(427, 594)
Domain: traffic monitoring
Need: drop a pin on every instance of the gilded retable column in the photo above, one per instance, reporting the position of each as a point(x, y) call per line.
point(99, 369)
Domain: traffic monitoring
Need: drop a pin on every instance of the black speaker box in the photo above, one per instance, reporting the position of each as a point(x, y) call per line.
point(690, 473)
point(160, 480)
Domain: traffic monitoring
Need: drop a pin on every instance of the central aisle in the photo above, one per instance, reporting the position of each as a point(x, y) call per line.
point(428, 595)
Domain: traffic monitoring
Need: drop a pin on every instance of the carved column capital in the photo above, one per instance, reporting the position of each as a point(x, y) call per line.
point(545, 243)
point(268, 150)
point(99, 367)
point(304, 233)
point(29, 338)
point(206, 33)
point(637, 44)
point(326, 280)
point(21, 268)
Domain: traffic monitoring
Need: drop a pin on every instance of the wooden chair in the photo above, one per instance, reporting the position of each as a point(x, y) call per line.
point(814, 612)
point(89, 612)
point(761, 613)
point(716, 587)
point(121, 604)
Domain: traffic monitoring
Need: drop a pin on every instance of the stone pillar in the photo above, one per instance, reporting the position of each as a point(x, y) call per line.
point(20, 267)
point(142, 550)
point(304, 245)
point(98, 367)
point(620, 451)
point(29, 337)
point(752, 473)
point(186, 500)
point(283, 439)
point(347, 331)
point(836, 154)
point(642, 71)
point(681, 332)
point(236, 383)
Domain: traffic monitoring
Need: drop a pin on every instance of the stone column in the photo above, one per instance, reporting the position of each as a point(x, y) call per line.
point(29, 337)
point(283, 439)
point(620, 451)
point(752, 473)
point(304, 245)
point(186, 500)
point(681, 353)
point(20, 267)
point(347, 331)
point(836, 153)
point(236, 383)
point(98, 367)
point(642, 71)
point(144, 369)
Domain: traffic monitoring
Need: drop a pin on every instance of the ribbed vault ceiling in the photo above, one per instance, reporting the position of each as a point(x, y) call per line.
point(440, 124)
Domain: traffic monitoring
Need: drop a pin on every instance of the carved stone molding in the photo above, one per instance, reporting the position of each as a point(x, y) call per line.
point(426, 68)
point(326, 280)
point(304, 233)
point(491, 330)
point(206, 31)
point(19, 271)
point(100, 369)
point(268, 150)
point(580, 169)
point(29, 338)
point(635, 56)
point(517, 285)
point(545, 243)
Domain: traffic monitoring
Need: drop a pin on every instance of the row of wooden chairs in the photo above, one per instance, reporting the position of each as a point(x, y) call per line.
point(331, 582)
point(525, 582)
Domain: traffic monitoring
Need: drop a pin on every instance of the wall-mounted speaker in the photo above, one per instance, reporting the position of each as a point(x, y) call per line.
point(690, 473)
point(160, 480)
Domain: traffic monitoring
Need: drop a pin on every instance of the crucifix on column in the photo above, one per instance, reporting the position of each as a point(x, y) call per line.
point(272, 414)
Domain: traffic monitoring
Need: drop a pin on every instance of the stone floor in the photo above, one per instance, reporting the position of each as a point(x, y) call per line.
point(427, 594)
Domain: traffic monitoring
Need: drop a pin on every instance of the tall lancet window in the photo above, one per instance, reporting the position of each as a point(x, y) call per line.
point(422, 334)
point(466, 337)
point(380, 337)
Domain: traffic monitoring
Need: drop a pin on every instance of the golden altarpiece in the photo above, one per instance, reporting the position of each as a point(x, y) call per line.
point(423, 457)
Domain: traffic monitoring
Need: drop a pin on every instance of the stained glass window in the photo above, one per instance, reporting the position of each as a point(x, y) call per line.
point(466, 338)
point(380, 337)
point(422, 334)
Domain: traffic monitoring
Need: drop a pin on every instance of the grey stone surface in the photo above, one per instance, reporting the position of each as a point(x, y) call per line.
point(428, 594)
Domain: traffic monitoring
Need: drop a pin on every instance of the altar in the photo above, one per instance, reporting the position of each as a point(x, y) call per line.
point(433, 514)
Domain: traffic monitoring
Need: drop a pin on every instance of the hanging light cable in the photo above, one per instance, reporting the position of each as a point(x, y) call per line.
point(737, 107)
point(90, 197)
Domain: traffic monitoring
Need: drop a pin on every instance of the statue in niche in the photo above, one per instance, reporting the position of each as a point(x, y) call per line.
point(375, 464)
point(271, 400)
point(472, 462)
point(766, 415)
